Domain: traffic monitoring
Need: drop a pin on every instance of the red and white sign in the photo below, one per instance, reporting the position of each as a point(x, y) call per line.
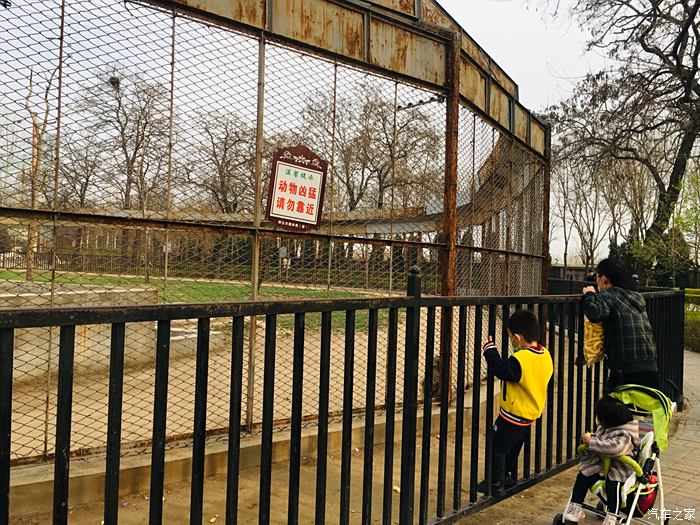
point(297, 187)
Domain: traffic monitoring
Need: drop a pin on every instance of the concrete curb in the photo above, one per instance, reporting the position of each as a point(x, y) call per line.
point(31, 487)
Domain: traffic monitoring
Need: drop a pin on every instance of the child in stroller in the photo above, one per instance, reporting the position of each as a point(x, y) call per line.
point(624, 472)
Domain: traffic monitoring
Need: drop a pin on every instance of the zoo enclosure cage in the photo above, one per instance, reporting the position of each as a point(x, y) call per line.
point(134, 148)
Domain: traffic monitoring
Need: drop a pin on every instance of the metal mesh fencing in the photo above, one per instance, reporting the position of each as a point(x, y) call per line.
point(134, 163)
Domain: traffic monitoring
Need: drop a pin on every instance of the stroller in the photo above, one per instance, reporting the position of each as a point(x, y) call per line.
point(653, 410)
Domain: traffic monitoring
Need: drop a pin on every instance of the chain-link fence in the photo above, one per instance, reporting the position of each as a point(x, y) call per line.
point(134, 157)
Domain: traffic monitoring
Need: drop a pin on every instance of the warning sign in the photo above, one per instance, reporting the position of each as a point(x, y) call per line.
point(297, 184)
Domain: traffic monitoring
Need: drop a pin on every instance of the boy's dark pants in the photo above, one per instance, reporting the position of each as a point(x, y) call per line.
point(508, 439)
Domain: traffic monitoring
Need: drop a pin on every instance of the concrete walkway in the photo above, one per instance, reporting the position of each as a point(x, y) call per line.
point(680, 465)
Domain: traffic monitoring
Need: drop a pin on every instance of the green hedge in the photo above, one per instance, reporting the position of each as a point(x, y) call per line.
point(692, 331)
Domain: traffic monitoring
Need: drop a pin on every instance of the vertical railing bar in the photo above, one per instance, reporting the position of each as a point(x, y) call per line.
point(666, 343)
point(410, 407)
point(561, 349)
point(268, 413)
point(680, 338)
point(6, 367)
point(580, 363)
point(369, 418)
point(346, 451)
point(390, 403)
point(114, 423)
point(538, 423)
point(445, 360)
point(160, 407)
point(527, 445)
point(323, 394)
point(200, 421)
point(604, 377)
point(596, 389)
point(64, 407)
point(527, 454)
point(234, 422)
point(488, 466)
point(589, 399)
point(427, 416)
point(505, 342)
point(297, 398)
point(550, 390)
point(505, 351)
point(661, 321)
point(476, 395)
point(459, 416)
point(570, 415)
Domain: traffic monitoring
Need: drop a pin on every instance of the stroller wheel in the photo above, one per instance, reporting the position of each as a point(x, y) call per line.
point(558, 519)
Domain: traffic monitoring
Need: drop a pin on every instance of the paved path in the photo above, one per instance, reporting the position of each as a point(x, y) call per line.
point(680, 470)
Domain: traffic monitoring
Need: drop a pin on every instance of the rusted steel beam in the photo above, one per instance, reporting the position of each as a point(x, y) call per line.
point(448, 266)
point(449, 228)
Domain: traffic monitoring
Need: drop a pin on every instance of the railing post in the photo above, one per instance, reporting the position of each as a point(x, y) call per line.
point(679, 359)
point(7, 345)
point(410, 394)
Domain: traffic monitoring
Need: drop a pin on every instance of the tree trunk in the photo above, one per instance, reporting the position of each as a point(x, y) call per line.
point(32, 237)
point(669, 197)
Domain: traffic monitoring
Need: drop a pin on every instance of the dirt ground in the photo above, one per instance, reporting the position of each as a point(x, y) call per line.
point(535, 506)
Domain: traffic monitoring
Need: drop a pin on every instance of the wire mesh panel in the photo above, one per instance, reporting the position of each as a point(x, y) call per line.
point(135, 149)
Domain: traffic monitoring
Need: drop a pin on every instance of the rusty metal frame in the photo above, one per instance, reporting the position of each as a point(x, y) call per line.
point(48, 216)
point(449, 217)
point(373, 14)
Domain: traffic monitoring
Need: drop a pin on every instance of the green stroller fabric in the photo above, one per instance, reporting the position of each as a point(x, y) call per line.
point(651, 401)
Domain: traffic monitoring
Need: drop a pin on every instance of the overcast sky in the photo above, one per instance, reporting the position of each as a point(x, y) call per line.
point(544, 57)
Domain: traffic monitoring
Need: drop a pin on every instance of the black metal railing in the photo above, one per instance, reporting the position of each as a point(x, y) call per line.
point(572, 287)
point(463, 450)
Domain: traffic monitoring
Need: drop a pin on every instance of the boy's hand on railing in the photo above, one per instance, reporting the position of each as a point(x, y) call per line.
point(588, 289)
point(489, 344)
point(586, 438)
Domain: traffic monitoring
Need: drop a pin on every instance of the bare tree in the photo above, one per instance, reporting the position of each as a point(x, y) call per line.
point(130, 115)
point(342, 138)
point(223, 163)
point(564, 206)
point(592, 217)
point(38, 174)
point(82, 163)
point(647, 111)
point(580, 207)
point(368, 149)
